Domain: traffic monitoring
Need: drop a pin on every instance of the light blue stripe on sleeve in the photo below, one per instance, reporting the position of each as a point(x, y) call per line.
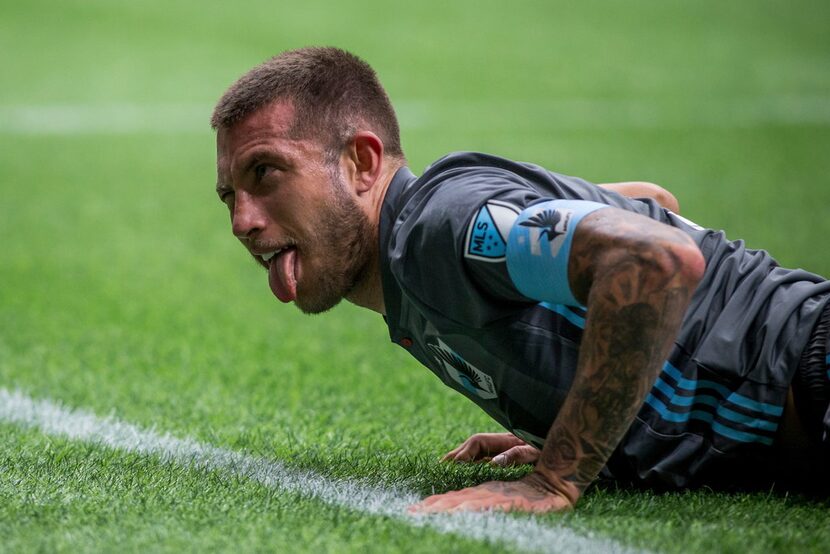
point(565, 312)
point(539, 247)
point(735, 398)
point(678, 400)
point(750, 404)
point(707, 417)
point(734, 434)
point(676, 417)
point(723, 411)
point(692, 384)
point(753, 422)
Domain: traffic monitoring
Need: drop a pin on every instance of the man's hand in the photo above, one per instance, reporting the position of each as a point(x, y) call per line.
point(502, 449)
point(533, 493)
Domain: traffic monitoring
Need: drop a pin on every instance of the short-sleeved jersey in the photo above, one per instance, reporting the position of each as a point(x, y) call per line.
point(451, 303)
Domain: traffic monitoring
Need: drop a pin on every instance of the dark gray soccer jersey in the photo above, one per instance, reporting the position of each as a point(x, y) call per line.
point(451, 303)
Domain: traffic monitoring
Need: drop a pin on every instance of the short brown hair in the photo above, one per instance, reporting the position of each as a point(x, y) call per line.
point(333, 91)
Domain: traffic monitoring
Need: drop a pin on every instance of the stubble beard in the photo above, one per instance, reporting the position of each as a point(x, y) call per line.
point(343, 246)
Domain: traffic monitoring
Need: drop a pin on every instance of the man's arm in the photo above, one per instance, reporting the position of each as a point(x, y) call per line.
point(642, 189)
point(505, 448)
point(636, 277)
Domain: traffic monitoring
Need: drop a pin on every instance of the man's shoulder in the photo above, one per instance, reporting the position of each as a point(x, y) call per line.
point(432, 212)
point(464, 165)
point(454, 187)
point(428, 236)
point(469, 160)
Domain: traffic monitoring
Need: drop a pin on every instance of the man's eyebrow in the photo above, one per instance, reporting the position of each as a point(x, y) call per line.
point(251, 160)
point(261, 155)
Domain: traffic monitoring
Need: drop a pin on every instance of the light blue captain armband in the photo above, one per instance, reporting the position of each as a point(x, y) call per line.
point(539, 246)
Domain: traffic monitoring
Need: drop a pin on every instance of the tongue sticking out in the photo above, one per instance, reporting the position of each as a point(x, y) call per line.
point(281, 276)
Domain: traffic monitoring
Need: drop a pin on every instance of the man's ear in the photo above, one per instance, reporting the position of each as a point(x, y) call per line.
point(365, 153)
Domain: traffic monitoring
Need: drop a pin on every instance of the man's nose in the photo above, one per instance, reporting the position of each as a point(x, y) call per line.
point(248, 217)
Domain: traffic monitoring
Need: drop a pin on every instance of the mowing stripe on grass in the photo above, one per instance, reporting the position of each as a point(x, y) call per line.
point(567, 113)
point(525, 533)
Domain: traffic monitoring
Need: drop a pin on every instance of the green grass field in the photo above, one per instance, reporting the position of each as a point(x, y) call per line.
point(123, 293)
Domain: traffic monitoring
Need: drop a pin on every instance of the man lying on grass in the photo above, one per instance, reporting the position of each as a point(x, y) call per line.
point(609, 335)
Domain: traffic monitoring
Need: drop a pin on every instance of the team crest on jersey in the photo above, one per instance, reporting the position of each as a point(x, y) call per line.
point(465, 374)
point(546, 221)
point(550, 224)
point(487, 234)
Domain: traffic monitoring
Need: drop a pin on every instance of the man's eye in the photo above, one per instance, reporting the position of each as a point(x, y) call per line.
point(261, 171)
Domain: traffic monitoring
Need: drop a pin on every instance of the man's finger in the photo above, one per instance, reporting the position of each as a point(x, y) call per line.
point(451, 456)
point(430, 502)
point(456, 452)
point(449, 500)
point(481, 504)
point(468, 454)
point(471, 450)
point(517, 455)
point(452, 453)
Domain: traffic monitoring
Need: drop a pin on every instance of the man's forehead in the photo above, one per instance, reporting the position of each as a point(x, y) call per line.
point(267, 133)
point(273, 119)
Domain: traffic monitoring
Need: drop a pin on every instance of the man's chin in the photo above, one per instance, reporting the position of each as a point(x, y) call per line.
point(318, 305)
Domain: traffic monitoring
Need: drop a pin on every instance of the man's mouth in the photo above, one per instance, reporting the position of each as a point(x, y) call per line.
point(282, 272)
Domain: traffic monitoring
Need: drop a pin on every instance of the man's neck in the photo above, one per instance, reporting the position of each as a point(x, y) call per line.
point(368, 291)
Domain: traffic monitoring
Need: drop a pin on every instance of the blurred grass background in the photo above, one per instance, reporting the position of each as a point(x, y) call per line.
point(724, 104)
point(122, 289)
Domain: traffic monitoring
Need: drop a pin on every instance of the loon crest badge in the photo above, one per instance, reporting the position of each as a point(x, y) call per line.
point(472, 379)
point(550, 225)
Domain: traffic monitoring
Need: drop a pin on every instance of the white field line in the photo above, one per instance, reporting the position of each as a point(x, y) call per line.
point(104, 119)
point(525, 533)
point(515, 114)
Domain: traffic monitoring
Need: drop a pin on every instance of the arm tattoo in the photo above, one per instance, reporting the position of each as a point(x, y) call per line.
point(637, 290)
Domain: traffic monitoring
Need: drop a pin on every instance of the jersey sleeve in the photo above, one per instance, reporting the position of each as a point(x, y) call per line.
point(539, 248)
point(450, 243)
point(428, 251)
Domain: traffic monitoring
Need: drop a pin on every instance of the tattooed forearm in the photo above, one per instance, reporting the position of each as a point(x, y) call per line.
point(636, 277)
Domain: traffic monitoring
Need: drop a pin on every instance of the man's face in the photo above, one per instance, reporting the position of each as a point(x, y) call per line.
point(292, 209)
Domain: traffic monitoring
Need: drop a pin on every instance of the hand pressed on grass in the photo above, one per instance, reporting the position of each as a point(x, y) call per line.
point(502, 449)
point(532, 493)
